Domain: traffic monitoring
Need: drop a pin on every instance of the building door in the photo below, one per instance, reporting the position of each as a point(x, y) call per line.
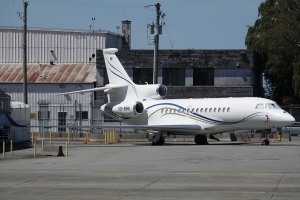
point(62, 121)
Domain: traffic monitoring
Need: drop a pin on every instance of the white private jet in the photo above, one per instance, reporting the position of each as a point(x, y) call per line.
point(143, 107)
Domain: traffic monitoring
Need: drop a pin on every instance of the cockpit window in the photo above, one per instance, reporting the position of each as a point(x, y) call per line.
point(259, 106)
point(271, 106)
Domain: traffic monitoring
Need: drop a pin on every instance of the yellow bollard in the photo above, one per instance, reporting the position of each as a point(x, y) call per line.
point(69, 136)
point(67, 149)
point(34, 150)
point(32, 137)
point(279, 137)
point(3, 145)
point(87, 138)
point(110, 137)
point(11, 148)
point(50, 136)
point(114, 137)
point(106, 137)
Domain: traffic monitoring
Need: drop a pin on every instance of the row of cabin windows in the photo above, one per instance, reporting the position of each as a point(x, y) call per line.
point(196, 110)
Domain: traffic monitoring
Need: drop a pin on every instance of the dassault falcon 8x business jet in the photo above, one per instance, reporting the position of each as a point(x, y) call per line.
point(143, 107)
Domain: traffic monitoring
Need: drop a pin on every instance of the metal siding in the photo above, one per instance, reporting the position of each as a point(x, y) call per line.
point(69, 47)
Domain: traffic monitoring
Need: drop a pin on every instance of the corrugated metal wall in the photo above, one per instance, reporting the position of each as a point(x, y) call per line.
point(68, 46)
point(48, 94)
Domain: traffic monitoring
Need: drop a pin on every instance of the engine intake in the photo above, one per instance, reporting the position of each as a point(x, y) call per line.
point(161, 90)
point(153, 91)
point(128, 109)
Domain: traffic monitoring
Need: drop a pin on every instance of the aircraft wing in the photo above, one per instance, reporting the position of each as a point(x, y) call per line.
point(107, 87)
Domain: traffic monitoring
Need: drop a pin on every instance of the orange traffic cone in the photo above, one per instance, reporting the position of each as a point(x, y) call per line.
point(85, 140)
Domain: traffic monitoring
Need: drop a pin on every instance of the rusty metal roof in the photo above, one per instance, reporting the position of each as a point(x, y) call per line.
point(46, 73)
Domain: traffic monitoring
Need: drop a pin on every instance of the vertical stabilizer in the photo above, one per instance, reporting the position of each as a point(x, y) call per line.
point(115, 71)
point(117, 75)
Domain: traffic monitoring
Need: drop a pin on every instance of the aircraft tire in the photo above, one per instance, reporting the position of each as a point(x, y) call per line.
point(201, 139)
point(160, 142)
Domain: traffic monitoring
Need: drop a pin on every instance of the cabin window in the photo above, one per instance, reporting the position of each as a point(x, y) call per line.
point(228, 109)
point(219, 110)
point(224, 109)
point(210, 109)
point(259, 106)
point(215, 109)
point(201, 110)
point(205, 109)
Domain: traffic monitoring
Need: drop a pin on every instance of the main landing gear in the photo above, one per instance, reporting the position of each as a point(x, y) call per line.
point(156, 138)
point(201, 139)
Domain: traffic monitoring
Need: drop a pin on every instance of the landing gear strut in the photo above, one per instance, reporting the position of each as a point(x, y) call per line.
point(200, 139)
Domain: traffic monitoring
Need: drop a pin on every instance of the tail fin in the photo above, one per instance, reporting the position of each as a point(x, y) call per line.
point(115, 71)
point(118, 76)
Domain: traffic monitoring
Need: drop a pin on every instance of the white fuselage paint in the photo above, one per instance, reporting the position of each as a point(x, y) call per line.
point(214, 115)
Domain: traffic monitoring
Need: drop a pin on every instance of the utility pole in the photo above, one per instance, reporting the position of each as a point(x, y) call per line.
point(156, 43)
point(25, 98)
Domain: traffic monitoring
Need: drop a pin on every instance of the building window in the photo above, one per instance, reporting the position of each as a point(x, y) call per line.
point(203, 76)
point(142, 75)
point(82, 115)
point(43, 115)
point(174, 76)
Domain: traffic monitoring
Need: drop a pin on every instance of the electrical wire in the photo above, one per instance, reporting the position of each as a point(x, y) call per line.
point(164, 23)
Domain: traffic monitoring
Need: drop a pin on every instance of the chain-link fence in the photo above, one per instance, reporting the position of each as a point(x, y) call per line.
point(63, 117)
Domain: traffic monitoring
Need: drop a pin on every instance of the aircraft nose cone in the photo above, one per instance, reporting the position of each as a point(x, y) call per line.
point(288, 120)
point(291, 119)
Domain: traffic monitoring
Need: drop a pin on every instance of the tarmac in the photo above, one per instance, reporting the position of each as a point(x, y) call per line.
point(137, 170)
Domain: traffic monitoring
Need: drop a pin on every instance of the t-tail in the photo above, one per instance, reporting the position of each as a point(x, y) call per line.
point(124, 88)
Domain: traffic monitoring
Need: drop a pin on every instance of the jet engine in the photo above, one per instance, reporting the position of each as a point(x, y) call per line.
point(128, 109)
point(153, 91)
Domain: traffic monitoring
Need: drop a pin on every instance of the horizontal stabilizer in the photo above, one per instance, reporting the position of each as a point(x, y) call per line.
point(94, 89)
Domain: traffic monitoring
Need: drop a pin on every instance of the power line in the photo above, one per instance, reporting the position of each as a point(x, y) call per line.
point(164, 24)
